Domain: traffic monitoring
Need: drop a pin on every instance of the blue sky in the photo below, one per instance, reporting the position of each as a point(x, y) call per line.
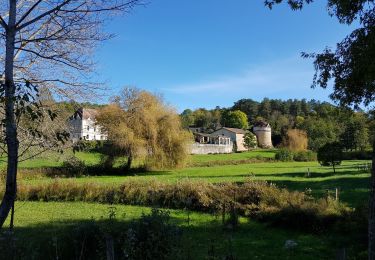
point(207, 53)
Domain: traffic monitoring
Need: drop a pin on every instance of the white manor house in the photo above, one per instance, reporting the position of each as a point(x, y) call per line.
point(82, 126)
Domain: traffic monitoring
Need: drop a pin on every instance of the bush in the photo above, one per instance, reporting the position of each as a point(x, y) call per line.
point(89, 146)
point(295, 140)
point(73, 167)
point(152, 237)
point(284, 155)
point(304, 156)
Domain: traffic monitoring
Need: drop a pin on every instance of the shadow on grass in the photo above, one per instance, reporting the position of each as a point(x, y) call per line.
point(312, 174)
point(85, 239)
point(354, 191)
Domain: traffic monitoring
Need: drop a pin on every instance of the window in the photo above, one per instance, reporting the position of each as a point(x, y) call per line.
point(88, 128)
point(87, 137)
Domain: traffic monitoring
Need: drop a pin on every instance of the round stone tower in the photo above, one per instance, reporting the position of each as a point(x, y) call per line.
point(263, 132)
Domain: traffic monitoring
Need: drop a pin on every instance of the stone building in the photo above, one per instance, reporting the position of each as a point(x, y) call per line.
point(82, 126)
point(211, 144)
point(263, 132)
point(236, 136)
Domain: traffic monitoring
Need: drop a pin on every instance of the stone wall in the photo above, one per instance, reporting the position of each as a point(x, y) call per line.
point(197, 148)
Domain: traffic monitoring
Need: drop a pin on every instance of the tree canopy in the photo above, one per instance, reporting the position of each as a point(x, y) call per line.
point(140, 125)
point(235, 119)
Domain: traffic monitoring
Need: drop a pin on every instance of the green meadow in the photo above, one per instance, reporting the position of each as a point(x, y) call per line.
point(350, 179)
point(203, 234)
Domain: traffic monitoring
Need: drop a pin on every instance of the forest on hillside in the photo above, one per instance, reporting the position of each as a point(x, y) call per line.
point(322, 121)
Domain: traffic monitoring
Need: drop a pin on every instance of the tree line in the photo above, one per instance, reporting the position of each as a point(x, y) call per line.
point(322, 121)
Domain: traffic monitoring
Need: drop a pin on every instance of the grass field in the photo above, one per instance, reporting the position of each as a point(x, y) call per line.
point(252, 240)
point(55, 159)
point(352, 183)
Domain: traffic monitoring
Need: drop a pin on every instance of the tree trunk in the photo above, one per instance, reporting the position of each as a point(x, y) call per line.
point(371, 218)
point(10, 120)
point(129, 164)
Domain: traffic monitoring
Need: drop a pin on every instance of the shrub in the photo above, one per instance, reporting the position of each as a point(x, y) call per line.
point(295, 140)
point(304, 156)
point(73, 167)
point(152, 237)
point(89, 146)
point(284, 155)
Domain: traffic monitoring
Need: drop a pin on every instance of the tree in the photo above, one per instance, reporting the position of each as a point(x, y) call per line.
point(187, 118)
point(140, 125)
point(250, 140)
point(355, 135)
point(320, 131)
point(330, 155)
point(202, 118)
point(248, 106)
point(295, 140)
point(235, 119)
point(351, 65)
point(45, 44)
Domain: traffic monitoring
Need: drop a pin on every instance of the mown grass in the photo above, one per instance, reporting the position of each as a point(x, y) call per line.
point(201, 158)
point(204, 233)
point(52, 159)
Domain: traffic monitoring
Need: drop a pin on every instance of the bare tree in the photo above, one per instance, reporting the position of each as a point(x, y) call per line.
point(47, 43)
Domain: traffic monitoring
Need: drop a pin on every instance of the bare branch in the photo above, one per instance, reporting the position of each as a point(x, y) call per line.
point(3, 23)
point(28, 12)
point(21, 26)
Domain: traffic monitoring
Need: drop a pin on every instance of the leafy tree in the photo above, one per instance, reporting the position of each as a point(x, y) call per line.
point(320, 131)
point(187, 118)
point(352, 68)
point(140, 125)
point(250, 140)
point(235, 119)
point(202, 118)
point(265, 108)
point(355, 135)
point(330, 155)
point(295, 140)
point(248, 106)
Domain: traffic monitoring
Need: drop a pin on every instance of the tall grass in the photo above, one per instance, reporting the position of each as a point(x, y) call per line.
point(255, 199)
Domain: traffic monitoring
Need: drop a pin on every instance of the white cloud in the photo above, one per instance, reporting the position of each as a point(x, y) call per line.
point(270, 78)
